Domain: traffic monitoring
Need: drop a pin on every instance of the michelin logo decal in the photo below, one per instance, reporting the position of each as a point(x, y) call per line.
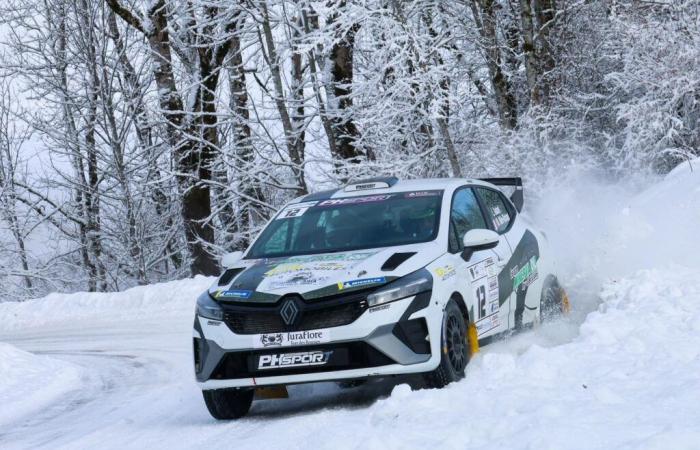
point(360, 283)
point(233, 293)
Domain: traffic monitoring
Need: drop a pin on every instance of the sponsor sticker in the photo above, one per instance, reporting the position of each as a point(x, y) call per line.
point(446, 272)
point(295, 210)
point(380, 308)
point(487, 324)
point(291, 339)
point(354, 256)
point(493, 295)
point(493, 283)
point(299, 359)
point(354, 200)
point(233, 293)
point(417, 194)
point(492, 270)
point(361, 282)
point(362, 187)
point(484, 282)
point(298, 267)
point(526, 275)
point(479, 270)
point(301, 278)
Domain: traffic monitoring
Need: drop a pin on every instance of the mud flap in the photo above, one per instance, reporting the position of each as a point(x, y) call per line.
point(271, 392)
point(473, 339)
point(565, 303)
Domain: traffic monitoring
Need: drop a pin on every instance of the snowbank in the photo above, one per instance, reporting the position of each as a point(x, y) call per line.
point(605, 229)
point(29, 383)
point(164, 299)
point(629, 380)
point(659, 226)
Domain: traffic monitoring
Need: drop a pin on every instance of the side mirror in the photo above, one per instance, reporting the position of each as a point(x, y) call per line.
point(478, 239)
point(230, 259)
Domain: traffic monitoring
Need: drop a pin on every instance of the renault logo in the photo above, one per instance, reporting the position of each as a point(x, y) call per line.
point(289, 312)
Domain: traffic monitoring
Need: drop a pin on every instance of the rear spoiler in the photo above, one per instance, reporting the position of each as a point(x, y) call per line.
point(516, 182)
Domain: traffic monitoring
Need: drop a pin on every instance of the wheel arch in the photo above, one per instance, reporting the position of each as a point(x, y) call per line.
point(457, 297)
point(550, 280)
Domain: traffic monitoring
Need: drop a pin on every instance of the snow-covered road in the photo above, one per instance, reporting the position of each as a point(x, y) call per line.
point(114, 370)
point(136, 390)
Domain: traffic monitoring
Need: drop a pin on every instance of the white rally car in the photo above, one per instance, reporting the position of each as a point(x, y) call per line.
point(378, 278)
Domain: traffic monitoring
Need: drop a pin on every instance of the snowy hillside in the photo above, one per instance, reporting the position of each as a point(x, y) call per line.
point(113, 370)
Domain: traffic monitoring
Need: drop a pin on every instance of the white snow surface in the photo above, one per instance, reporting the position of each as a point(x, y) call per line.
point(30, 382)
point(173, 298)
point(620, 372)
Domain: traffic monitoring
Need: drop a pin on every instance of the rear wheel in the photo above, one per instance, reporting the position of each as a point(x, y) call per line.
point(553, 304)
point(228, 404)
point(454, 349)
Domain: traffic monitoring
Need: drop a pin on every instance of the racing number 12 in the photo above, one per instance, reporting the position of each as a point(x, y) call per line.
point(481, 300)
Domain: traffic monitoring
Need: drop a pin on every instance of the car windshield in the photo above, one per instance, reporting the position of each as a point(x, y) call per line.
point(353, 223)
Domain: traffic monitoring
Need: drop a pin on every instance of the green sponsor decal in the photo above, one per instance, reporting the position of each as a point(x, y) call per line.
point(526, 273)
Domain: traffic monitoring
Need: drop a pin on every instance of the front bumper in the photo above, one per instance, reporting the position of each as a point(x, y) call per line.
point(397, 338)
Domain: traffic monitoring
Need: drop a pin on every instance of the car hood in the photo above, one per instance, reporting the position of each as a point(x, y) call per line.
point(320, 275)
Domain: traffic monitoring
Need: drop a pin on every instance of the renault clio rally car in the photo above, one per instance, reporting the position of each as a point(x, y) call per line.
point(378, 278)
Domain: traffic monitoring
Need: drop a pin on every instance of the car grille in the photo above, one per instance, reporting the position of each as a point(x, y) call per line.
point(326, 312)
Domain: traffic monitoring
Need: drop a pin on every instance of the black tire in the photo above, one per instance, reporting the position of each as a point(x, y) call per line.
point(228, 404)
point(454, 349)
point(551, 301)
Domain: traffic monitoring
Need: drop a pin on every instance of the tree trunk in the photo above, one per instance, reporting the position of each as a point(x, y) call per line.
point(9, 152)
point(92, 189)
point(539, 61)
point(341, 57)
point(290, 136)
point(297, 92)
point(485, 18)
point(310, 21)
point(251, 198)
point(73, 149)
point(193, 162)
point(545, 11)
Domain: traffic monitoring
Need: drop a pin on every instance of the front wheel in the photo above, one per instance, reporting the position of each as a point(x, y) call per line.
point(454, 349)
point(228, 404)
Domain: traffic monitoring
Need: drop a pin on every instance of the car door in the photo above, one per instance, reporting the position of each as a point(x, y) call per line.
point(518, 277)
point(480, 272)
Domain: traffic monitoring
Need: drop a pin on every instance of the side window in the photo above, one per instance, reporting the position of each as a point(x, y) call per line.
point(465, 215)
point(498, 211)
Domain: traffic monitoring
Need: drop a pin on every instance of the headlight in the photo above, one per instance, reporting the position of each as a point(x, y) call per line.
point(208, 308)
point(408, 286)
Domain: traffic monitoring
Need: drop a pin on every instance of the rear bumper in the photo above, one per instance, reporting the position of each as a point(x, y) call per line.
point(399, 339)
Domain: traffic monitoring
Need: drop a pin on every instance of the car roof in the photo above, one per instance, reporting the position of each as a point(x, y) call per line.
point(390, 186)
